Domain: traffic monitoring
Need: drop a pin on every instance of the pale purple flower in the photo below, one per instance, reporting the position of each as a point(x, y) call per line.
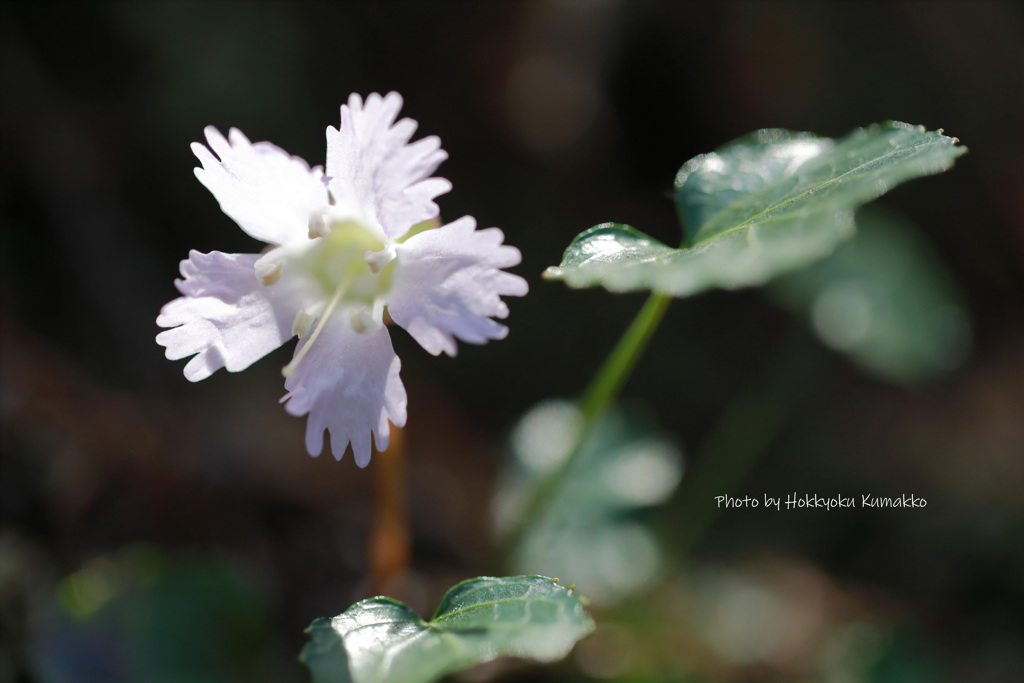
point(344, 246)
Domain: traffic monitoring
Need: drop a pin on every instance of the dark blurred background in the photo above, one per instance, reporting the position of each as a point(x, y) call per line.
point(124, 484)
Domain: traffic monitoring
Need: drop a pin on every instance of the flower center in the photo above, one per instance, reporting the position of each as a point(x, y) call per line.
point(341, 256)
point(352, 265)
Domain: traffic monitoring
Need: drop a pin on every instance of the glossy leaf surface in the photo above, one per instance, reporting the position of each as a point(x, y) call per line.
point(383, 641)
point(762, 205)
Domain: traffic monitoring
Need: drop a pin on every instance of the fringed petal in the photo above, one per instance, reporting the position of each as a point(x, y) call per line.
point(448, 283)
point(371, 164)
point(269, 193)
point(348, 383)
point(226, 316)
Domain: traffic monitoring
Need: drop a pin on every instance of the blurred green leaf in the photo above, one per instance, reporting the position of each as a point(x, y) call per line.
point(760, 206)
point(884, 299)
point(591, 530)
point(906, 658)
point(383, 641)
point(143, 615)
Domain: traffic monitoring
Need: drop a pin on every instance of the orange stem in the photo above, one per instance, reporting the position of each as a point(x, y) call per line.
point(389, 538)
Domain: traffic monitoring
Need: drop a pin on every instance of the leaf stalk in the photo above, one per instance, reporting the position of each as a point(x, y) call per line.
point(595, 401)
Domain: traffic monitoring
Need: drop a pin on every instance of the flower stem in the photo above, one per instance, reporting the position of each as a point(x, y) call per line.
point(603, 389)
point(389, 536)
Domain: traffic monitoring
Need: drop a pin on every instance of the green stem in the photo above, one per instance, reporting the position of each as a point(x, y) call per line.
point(619, 364)
point(603, 389)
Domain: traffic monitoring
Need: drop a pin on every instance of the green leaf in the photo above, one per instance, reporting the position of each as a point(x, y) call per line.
point(884, 299)
point(591, 531)
point(383, 641)
point(762, 205)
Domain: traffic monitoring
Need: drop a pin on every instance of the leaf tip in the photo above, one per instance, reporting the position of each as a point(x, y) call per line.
point(552, 273)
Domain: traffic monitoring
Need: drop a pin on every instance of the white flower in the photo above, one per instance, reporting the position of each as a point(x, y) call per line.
point(345, 246)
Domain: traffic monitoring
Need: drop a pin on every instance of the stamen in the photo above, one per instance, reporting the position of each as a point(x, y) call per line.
point(301, 324)
point(369, 319)
point(363, 322)
point(318, 225)
point(268, 272)
point(378, 260)
point(289, 369)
